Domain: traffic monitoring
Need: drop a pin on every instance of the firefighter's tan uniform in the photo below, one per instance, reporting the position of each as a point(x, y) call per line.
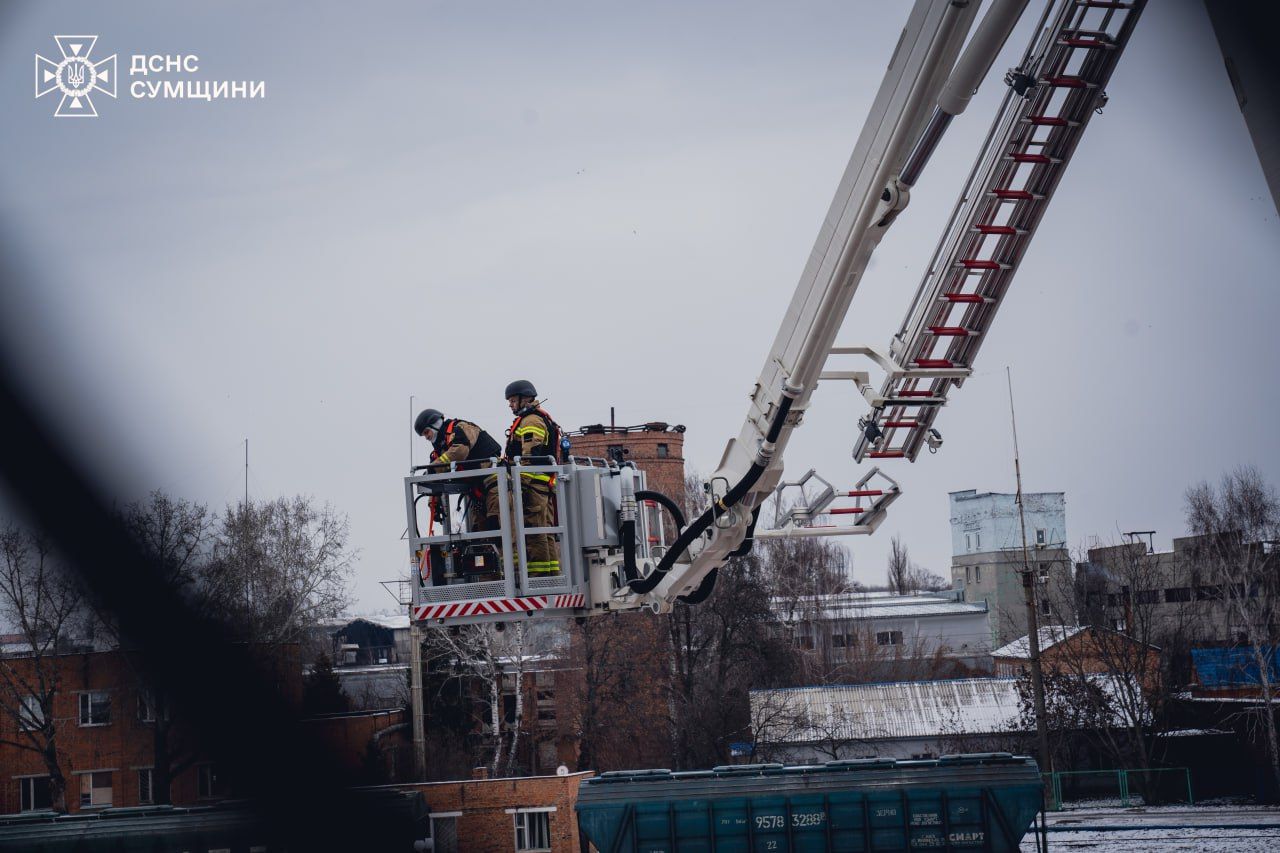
point(456, 441)
point(530, 437)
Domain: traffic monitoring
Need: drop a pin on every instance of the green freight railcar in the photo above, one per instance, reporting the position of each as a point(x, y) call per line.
point(963, 803)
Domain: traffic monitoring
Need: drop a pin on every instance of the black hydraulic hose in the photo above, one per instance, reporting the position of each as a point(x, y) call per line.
point(671, 506)
point(745, 548)
point(704, 590)
point(627, 535)
point(718, 508)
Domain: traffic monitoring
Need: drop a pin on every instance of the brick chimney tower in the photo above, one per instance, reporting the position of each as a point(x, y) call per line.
point(656, 448)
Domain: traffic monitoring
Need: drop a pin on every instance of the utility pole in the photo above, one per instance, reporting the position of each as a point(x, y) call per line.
point(415, 658)
point(1029, 593)
point(246, 473)
point(415, 699)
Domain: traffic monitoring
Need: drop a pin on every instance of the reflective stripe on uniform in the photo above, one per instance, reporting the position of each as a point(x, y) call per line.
point(532, 429)
point(544, 478)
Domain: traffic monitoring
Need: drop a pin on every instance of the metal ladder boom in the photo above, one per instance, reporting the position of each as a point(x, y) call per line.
point(1051, 99)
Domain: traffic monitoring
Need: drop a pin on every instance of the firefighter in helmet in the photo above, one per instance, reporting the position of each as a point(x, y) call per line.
point(456, 440)
point(535, 438)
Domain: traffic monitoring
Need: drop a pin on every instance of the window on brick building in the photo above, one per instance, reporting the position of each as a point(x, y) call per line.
point(1040, 537)
point(533, 830)
point(146, 794)
point(664, 451)
point(977, 574)
point(95, 789)
point(34, 793)
point(1045, 608)
point(546, 705)
point(1175, 594)
point(95, 708)
point(888, 638)
point(30, 713)
point(444, 833)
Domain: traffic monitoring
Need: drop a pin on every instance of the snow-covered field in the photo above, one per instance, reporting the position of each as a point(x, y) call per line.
point(1214, 828)
point(1141, 840)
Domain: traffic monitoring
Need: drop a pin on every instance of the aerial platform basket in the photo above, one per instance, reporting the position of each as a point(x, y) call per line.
point(465, 570)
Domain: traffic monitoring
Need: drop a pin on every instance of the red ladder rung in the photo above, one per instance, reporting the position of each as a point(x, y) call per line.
point(1086, 42)
point(978, 264)
point(848, 510)
point(887, 454)
point(1019, 157)
point(950, 331)
point(1005, 230)
point(1069, 82)
point(934, 362)
point(1013, 195)
point(915, 393)
point(1047, 121)
point(964, 298)
point(1104, 4)
point(865, 493)
point(900, 424)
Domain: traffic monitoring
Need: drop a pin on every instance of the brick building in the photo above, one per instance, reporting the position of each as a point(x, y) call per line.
point(1079, 649)
point(367, 744)
point(525, 813)
point(656, 448)
point(104, 723)
point(103, 719)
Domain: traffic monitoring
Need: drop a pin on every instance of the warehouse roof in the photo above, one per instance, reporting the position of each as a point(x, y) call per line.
point(875, 605)
point(891, 710)
point(1050, 635)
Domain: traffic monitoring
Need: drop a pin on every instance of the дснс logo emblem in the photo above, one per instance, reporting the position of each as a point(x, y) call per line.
point(76, 76)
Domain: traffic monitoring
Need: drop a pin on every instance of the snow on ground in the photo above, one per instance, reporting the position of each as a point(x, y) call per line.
point(1216, 827)
point(1142, 840)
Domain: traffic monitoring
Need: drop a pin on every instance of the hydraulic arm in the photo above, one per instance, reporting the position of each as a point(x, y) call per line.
point(614, 556)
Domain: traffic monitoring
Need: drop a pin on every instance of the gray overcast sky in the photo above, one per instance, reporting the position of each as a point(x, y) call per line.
point(615, 201)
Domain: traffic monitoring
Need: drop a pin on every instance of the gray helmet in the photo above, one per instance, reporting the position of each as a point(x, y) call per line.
point(428, 419)
point(520, 388)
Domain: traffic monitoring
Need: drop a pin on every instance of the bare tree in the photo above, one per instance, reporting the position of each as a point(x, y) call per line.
point(41, 600)
point(723, 648)
point(898, 574)
point(618, 698)
point(904, 577)
point(1238, 525)
point(485, 659)
point(177, 534)
point(1112, 675)
point(277, 568)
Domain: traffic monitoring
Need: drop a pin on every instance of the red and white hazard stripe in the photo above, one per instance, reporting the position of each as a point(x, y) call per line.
point(494, 606)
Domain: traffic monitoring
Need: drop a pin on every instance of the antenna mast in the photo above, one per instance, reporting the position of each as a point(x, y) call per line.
point(1029, 592)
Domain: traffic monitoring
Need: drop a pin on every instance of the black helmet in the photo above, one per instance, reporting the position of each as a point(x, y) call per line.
point(427, 418)
point(520, 388)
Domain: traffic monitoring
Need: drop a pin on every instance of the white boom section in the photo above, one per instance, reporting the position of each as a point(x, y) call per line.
point(865, 204)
